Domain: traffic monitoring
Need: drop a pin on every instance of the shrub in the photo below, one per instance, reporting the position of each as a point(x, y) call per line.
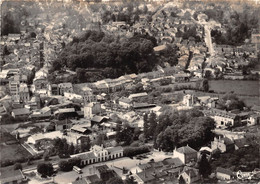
point(45, 169)
point(132, 151)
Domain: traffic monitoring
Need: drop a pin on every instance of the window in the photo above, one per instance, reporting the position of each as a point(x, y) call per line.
point(222, 123)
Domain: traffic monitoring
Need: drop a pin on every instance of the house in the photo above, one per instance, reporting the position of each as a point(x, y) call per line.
point(224, 144)
point(40, 83)
point(98, 120)
point(24, 93)
point(137, 96)
point(33, 139)
point(241, 143)
point(166, 170)
point(43, 113)
point(190, 175)
point(186, 154)
point(65, 87)
point(14, 87)
point(223, 118)
point(254, 119)
point(92, 109)
point(21, 113)
point(72, 96)
point(52, 89)
point(81, 129)
point(224, 174)
point(125, 102)
point(181, 77)
point(12, 176)
point(99, 154)
point(62, 124)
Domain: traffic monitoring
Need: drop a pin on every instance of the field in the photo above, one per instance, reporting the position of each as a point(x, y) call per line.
point(10, 149)
point(240, 87)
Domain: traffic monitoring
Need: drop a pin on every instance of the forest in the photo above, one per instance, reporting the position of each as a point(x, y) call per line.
point(174, 129)
point(111, 55)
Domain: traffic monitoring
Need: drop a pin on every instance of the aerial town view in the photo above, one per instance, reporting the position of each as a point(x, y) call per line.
point(129, 91)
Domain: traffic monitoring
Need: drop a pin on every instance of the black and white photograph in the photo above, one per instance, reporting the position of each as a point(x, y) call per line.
point(130, 91)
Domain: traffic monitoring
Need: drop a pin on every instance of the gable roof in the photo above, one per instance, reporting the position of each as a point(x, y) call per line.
point(98, 119)
point(176, 162)
point(114, 149)
point(186, 150)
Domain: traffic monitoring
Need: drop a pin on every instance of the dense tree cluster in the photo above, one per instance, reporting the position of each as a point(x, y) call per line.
point(106, 54)
point(68, 165)
point(45, 169)
point(244, 159)
point(230, 102)
point(238, 24)
point(175, 128)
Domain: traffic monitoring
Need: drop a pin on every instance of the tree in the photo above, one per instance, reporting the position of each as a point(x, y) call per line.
point(205, 85)
point(65, 166)
point(204, 166)
point(45, 169)
point(76, 161)
point(18, 166)
point(71, 149)
point(6, 51)
point(207, 74)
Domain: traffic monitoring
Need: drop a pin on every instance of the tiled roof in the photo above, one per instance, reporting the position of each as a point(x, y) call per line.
point(186, 150)
point(22, 111)
point(114, 149)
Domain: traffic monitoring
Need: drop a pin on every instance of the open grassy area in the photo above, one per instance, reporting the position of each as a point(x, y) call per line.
point(10, 149)
point(13, 152)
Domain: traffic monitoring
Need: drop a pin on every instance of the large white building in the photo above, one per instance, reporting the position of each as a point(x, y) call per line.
point(99, 154)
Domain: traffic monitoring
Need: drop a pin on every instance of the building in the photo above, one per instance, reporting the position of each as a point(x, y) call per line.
point(12, 176)
point(40, 83)
point(89, 97)
point(125, 102)
point(24, 93)
point(223, 118)
point(92, 109)
point(14, 87)
point(224, 174)
point(65, 87)
point(186, 154)
point(254, 119)
point(166, 170)
point(188, 100)
point(223, 144)
point(137, 96)
point(33, 139)
point(52, 89)
point(99, 154)
point(21, 113)
point(190, 175)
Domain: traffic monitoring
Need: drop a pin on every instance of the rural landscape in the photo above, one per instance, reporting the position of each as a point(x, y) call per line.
point(129, 92)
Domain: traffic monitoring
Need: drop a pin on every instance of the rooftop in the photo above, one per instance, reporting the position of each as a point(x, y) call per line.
point(186, 150)
point(22, 111)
